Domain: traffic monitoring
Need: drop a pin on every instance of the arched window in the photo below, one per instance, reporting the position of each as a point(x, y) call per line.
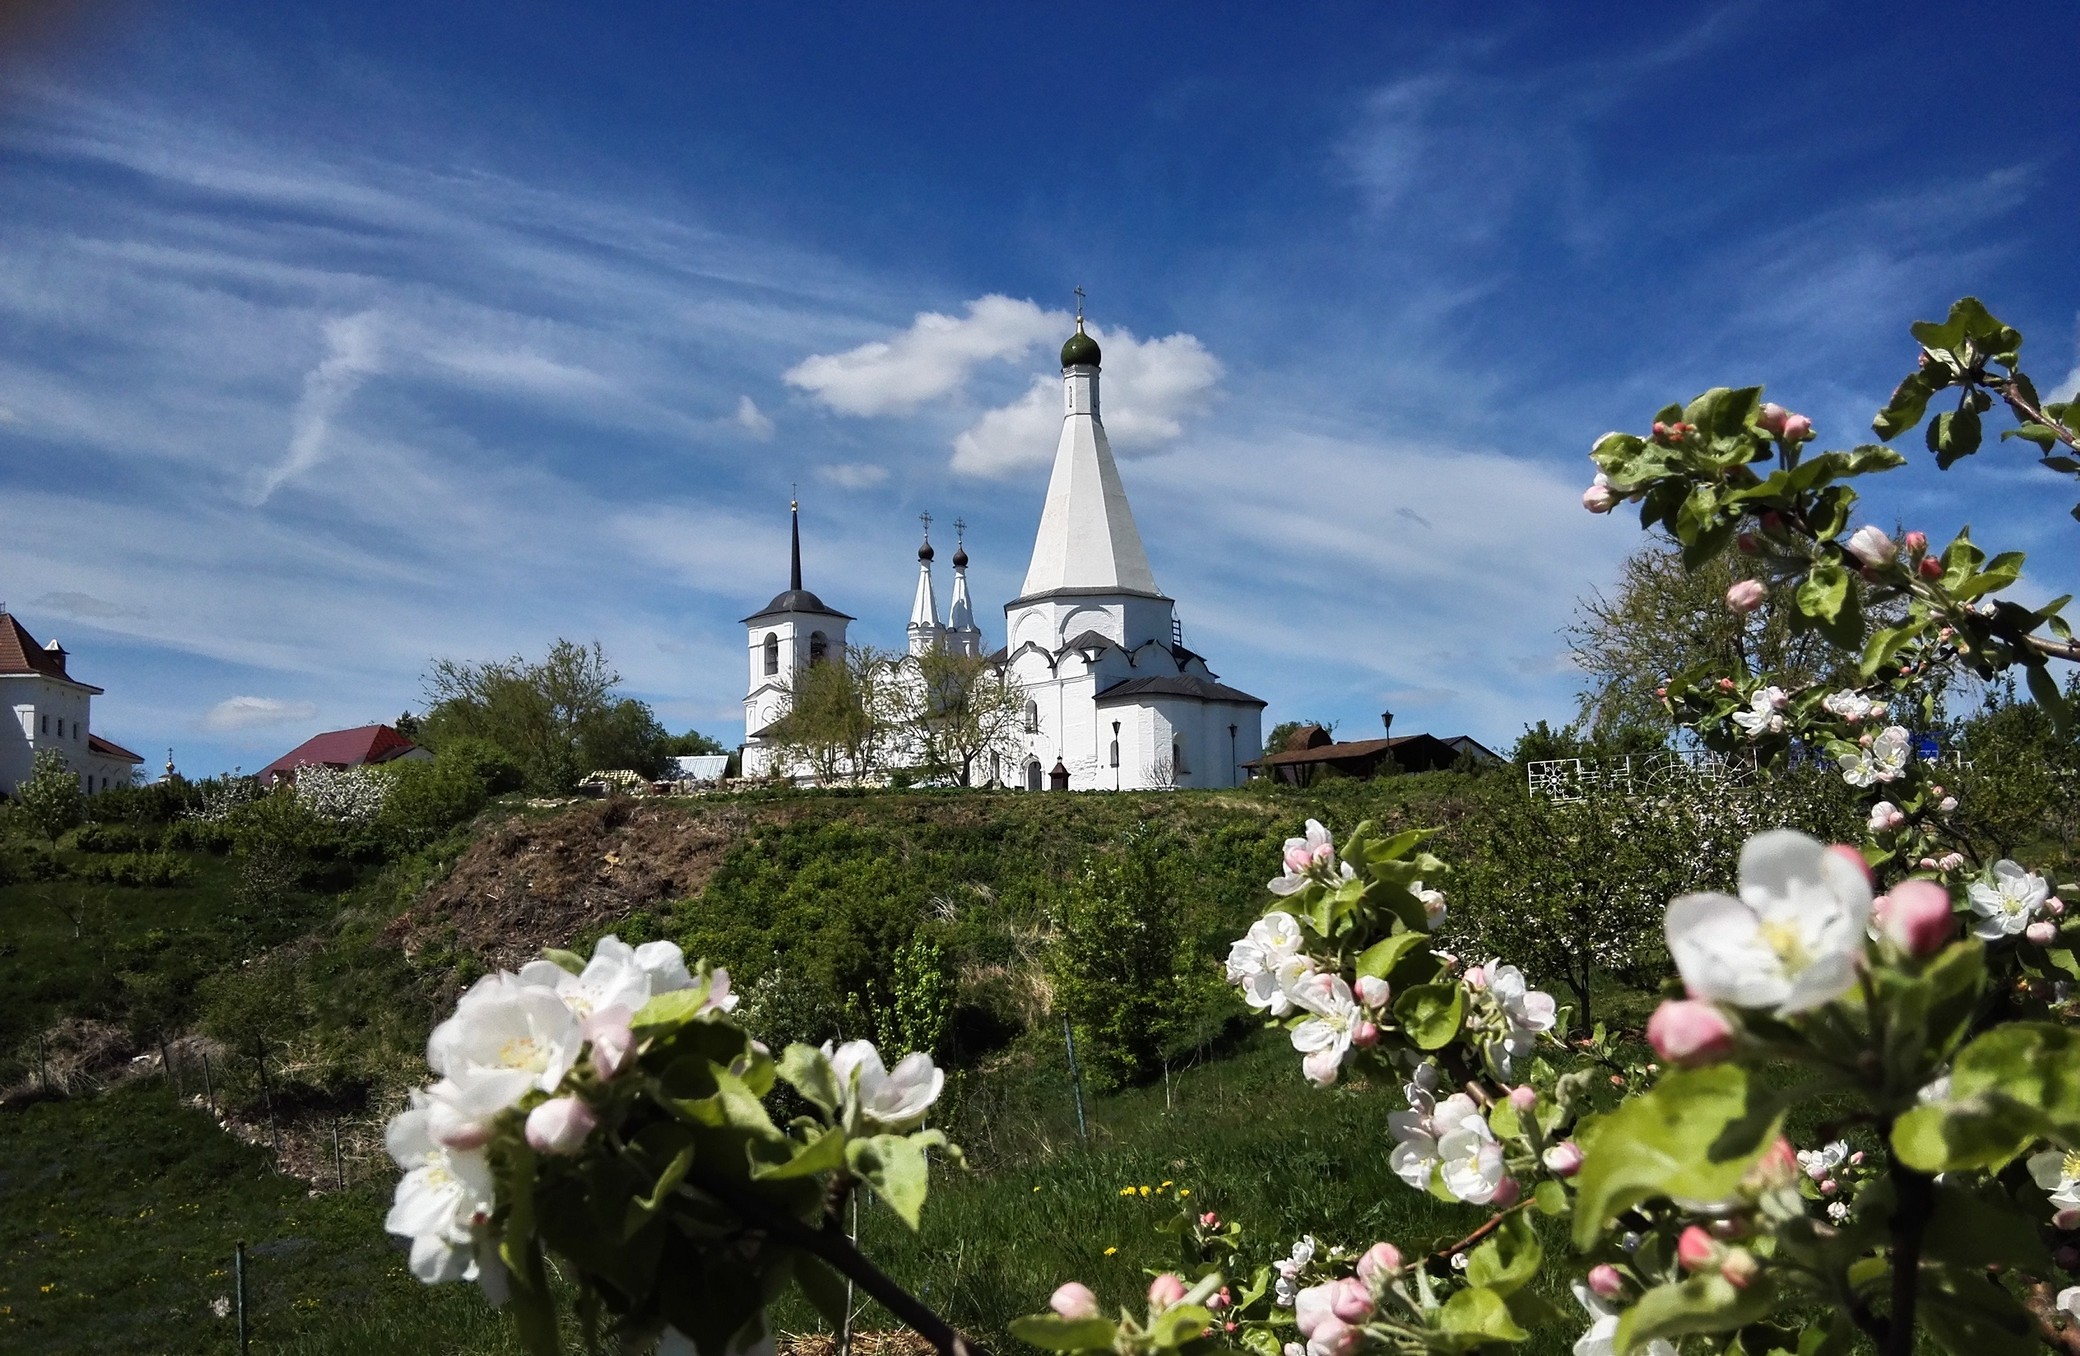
point(772, 654)
point(1032, 716)
point(1177, 757)
point(1033, 774)
point(817, 646)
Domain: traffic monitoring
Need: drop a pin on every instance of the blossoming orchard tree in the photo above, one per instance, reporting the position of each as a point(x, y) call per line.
point(611, 1113)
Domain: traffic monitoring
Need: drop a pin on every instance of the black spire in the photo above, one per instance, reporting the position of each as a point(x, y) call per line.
point(794, 564)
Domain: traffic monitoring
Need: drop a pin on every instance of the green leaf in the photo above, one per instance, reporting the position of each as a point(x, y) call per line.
point(806, 1069)
point(1824, 589)
point(1551, 1198)
point(1479, 1312)
point(1705, 1303)
point(1982, 1228)
point(1177, 1325)
point(825, 1153)
point(2044, 690)
point(1885, 644)
point(569, 960)
point(1509, 1258)
point(1693, 1138)
point(895, 1168)
point(668, 1010)
point(1379, 959)
point(2007, 1087)
point(1971, 1317)
point(1051, 1332)
point(1953, 434)
point(1909, 401)
point(1431, 1014)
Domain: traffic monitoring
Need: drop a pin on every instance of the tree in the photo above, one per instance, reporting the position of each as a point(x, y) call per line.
point(51, 795)
point(962, 709)
point(1663, 619)
point(556, 718)
point(690, 744)
point(841, 717)
point(1275, 741)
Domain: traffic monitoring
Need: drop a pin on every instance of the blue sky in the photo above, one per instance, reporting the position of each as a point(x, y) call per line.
point(336, 338)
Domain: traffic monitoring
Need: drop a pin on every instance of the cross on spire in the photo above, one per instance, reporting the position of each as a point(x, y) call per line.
point(926, 519)
point(1079, 306)
point(960, 531)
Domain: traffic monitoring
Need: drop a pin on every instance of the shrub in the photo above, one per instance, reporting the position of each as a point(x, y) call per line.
point(425, 800)
point(118, 836)
point(160, 802)
point(138, 870)
point(200, 835)
point(485, 762)
point(51, 796)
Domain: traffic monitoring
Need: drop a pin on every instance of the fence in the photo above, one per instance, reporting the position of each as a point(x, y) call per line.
point(1567, 780)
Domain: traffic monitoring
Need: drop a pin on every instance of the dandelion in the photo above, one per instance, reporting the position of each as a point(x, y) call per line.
point(1110, 1251)
point(1036, 1188)
point(1184, 1191)
point(1144, 1192)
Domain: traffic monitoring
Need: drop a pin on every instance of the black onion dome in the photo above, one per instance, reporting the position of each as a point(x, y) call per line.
point(925, 551)
point(960, 557)
point(1080, 351)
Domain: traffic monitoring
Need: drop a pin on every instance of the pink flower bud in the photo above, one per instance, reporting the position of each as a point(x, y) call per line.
point(1507, 1194)
point(1871, 546)
point(1915, 542)
point(1772, 417)
point(1854, 856)
point(1382, 1261)
point(1219, 1300)
point(1726, 684)
point(1321, 1067)
point(1073, 1299)
point(1350, 1299)
point(2067, 1219)
point(1476, 977)
point(1829, 1187)
point(1298, 859)
point(1915, 917)
point(1739, 1268)
point(1166, 1290)
point(1563, 1159)
point(1688, 1032)
point(2055, 907)
point(2041, 932)
point(1524, 1098)
point(1333, 1337)
point(1311, 1309)
point(1746, 542)
point(1935, 790)
point(1697, 1250)
point(1605, 1282)
point(1746, 595)
point(1599, 499)
point(1372, 991)
point(447, 1126)
point(559, 1126)
point(612, 1044)
point(1797, 429)
point(1951, 861)
point(1364, 1034)
point(1947, 805)
point(1856, 1159)
point(1929, 568)
point(1209, 1221)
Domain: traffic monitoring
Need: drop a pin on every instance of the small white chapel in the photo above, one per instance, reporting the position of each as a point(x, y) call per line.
point(1114, 699)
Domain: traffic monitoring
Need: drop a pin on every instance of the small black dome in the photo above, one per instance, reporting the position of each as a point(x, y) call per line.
point(1080, 351)
point(960, 557)
point(795, 600)
point(924, 552)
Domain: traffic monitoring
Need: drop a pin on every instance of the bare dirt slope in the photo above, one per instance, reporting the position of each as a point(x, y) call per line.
point(539, 882)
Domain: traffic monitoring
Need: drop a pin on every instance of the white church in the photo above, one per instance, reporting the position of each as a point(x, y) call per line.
point(1114, 700)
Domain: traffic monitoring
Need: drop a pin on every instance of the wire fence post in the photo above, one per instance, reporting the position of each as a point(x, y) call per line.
point(238, 1271)
point(1083, 1130)
point(173, 1079)
point(274, 1132)
point(339, 1167)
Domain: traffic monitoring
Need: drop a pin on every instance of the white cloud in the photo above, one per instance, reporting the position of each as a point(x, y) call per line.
point(930, 359)
point(853, 475)
point(85, 606)
point(253, 713)
point(1148, 389)
point(753, 420)
point(351, 355)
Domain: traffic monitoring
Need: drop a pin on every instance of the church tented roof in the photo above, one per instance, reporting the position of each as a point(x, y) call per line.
point(1184, 685)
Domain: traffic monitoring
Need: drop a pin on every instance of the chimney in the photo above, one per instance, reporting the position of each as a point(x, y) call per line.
point(1386, 719)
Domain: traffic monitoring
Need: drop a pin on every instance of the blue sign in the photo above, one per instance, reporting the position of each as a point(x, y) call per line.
point(1926, 748)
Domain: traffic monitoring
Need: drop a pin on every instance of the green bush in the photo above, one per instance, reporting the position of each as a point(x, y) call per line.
point(485, 762)
point(428, 799)
point(137, 870)
point(200, 835)
point(160, 802)
point(119, 836)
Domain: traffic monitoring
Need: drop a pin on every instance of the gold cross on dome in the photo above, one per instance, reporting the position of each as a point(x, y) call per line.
point(1079, 307)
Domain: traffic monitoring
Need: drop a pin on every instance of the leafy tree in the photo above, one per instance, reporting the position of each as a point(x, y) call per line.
point(962, 709)
point(1121, 965)
point(691, 744)
point(556, 718)
point(1663, 619)
point(51, 796)
point(2020, 784)
point(1275, 741)
point(842, 718)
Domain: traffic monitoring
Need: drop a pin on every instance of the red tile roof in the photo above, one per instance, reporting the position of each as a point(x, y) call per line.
point(341, 748)
point(19, 653)
point(108, 748)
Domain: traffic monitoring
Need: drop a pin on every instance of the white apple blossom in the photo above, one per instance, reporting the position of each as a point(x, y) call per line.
point(506, 1038)
point(2008, 902)
point(1289, 1270)
point(1599, 1340)
point(1471, 1159)
point(892, 1100)
point(1527, 1008)
point(2058, 1172)
point(1871, 546)
point(2069, 1300)
point(1419, 1133)
point(1884, 761)
point(1789, 942)
point(1311, 858)
point(1765, 713)
point(444, 1201)
point(343, 795)
point(1885, 816)
point(1267, 962)
point(1325, 1037)
point(1821, 1162)
point(1850, 705)
point(1434, 908)
point(623, 976)
point(1838, 1211)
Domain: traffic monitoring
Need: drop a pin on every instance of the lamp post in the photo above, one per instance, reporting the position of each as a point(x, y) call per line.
point(1234, 767)
point(1115, 755)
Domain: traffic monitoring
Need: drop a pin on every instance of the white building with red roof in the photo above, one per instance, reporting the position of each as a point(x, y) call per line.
point(361, 746)
point(51, 710)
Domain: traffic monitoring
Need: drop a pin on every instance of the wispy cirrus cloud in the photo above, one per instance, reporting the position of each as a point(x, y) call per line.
point(256, 713)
